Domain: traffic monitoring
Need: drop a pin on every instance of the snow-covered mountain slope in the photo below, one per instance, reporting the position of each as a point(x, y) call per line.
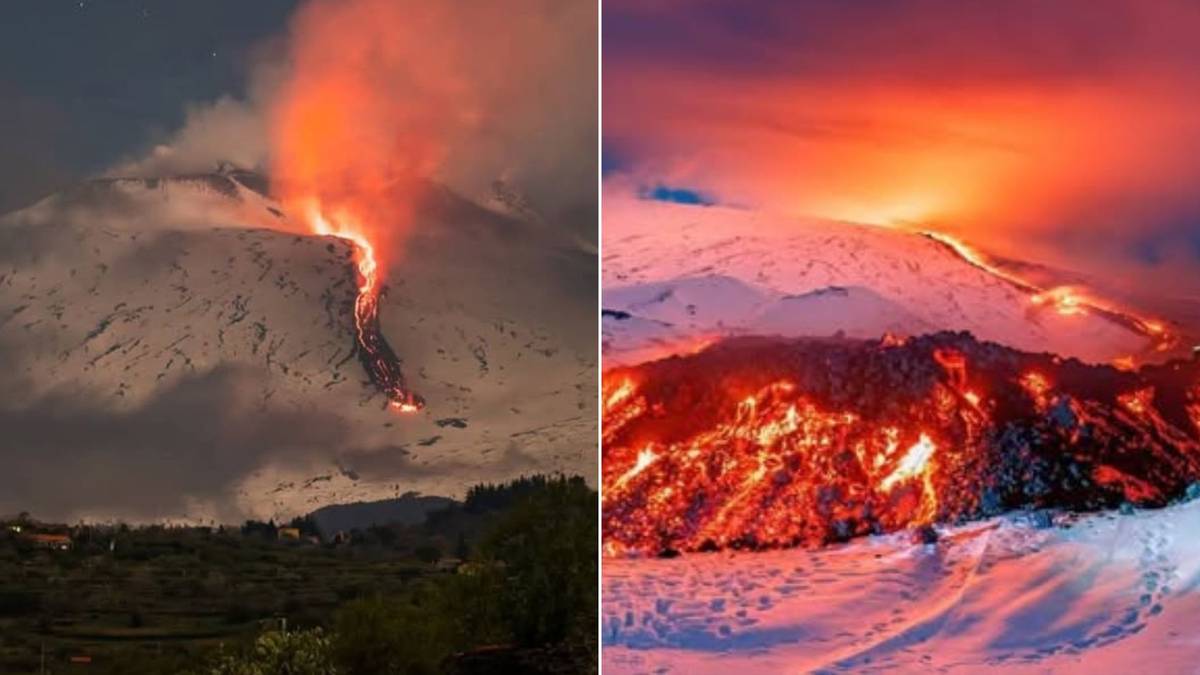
point(1110, 593)
point(228, 197)
point(678, 274)
point(128, 301)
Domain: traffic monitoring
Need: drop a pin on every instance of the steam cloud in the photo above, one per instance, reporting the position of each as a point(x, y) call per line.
point(366, 96)
point(217, 435)
point(228, 130)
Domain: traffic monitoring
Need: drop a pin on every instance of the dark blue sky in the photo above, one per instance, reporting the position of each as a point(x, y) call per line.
point(85, 83)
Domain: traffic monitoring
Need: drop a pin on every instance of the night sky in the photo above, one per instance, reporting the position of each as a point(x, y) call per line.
point(85, 84)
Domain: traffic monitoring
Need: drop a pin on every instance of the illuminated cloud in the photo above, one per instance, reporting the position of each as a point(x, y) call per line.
point(1064, 132)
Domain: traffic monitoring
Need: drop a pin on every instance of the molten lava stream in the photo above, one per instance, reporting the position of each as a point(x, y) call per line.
point(766, 442)
point(380, 362)
point(1068, 300)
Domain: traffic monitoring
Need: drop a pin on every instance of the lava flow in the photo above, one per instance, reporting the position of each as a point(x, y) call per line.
point(765, 442)
point(1068, 300)
point(380, 362)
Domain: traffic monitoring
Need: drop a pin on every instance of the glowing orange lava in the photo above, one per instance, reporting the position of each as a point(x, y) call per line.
point(359, 119)
point(1064, 300)
point(1138, 402)
point(1038, 388)
point(977, 259)
point(769, 433)
point(377, 357)
point(764, 442)
point(1126, 363)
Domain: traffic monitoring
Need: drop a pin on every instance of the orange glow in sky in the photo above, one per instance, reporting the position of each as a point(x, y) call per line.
point(1061, 133)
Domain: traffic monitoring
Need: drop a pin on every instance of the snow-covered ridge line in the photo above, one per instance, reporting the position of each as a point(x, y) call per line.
point(686, 275)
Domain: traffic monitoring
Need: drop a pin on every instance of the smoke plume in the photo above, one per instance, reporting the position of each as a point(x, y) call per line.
point(364, 101)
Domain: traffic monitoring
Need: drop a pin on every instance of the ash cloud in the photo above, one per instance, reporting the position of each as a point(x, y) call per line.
point(229, 130)
point(187, 446)
point(401, 463)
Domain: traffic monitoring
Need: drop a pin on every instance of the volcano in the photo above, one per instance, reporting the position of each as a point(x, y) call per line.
point(677, 277)
point(761, 389)
point(120, 294)
point(768, 442)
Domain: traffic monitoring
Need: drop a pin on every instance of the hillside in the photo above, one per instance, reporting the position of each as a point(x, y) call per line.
point(676, 276)
point(180, 349)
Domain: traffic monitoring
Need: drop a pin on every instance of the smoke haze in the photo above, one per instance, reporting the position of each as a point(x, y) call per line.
point(1060, 131)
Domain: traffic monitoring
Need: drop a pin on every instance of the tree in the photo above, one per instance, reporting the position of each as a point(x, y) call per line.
point(305, 652)
point(374, 636)
point(547, 546)
point(265, 530)
point(306, 525)
point(428, 554)
point(474, 598)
